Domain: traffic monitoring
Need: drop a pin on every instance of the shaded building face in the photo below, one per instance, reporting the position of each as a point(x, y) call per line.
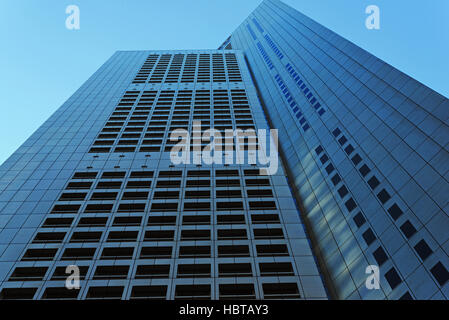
point(94, 195)
point(366, 147)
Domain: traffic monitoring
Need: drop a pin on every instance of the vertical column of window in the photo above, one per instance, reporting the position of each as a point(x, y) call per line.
point(146, 69)
point(175, 68)
point(232, 67)
point(189, 71)
point(161, 67)
point(204, 68)
point(218, 70)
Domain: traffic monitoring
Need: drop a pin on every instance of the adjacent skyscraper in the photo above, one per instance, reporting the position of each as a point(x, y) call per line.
point(366, 147)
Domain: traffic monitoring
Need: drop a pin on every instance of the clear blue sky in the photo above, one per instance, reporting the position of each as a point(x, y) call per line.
point(42, 63)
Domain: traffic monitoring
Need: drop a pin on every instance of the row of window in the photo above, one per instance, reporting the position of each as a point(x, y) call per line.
point(156, 252)
point(154, 271)
point(305, 90)
point(422, 248)
point(292, 103)
point(182, 291)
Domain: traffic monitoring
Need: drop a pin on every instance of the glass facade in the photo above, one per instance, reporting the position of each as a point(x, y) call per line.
point(95, 187)
point(366, 147)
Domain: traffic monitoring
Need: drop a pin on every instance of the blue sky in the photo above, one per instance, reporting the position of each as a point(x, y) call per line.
point(42, 63)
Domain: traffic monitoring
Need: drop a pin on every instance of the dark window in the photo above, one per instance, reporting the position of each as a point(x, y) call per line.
point(324, 158)
point(186, 291)
point(17, 293)
point(336, 132)
point(276, 269)
point(330, 168)
point(349, 149)
point(153, 271)
point(423, 249)
point(380, 256)
point(350, 204)
point(440, 273)
point(393, 278)
point(156, 253)
point(280, 290)
point(149, 292)
point(395, 212)
point(359, 219)
point(28, 274)
point(343, 191)
point(233, 251)
point(105, 292)
point(369, 236)
point(336, 179)
point(342, 140)
point(111, 272)
point(356, 159)
point(408, 229)
point(235, 270)
point(60, 293)
point(193, 271)
point(237, 291)
point(406, 296)
point(318, 150)
point(383, 196)
point(364, 170)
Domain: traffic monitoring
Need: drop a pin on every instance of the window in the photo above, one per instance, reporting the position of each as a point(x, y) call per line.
point(440, 273)
point(229, 205)
point(194, 251)
point(276, 269)
point(122, 236)
point(195, 235)
point(60, 293)
point(350, 204)
point(273, 233)
point(28, 274)
point(60, 273)
point(395, 212)
point(229, 193)
point(423, 249)
point(39, 254)
point(262, 205)
point(193, 270)
point(231, 219)
point(152, 271)
point(237, 291)
point(343, 191)
point(17, 293)
point(126, 221)
point(105, 292)
point(364, 170)
point(408, 229)
point(92, 222)
point(235, 270)
point(265, 218)
point(393, 278)
point(335, 179)
point(161, 220)
point(49, 237)
point(356, 159)
point(233, 251)
point(159, 235)
point(280, 290)
point(111, 272)
point(383, 196)
point(149, 292)
point(380, 256)
point(196, 220)
point(164, 207)
point(359, 219)
point(156, 253)
point(117, 253)
point(199, 291)
point(57, 223)
point(78, 254)
point(272, 250)
point(231, 234)
point(90, 236)
point(369, 236)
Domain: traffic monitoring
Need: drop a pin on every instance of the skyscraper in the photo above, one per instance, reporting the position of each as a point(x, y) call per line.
point(361, 183)
point(366, 147)
point(95, 189)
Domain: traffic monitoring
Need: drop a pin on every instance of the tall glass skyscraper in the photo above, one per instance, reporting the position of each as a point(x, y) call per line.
point(95, 187)
point(361, 183)
point(366, 148)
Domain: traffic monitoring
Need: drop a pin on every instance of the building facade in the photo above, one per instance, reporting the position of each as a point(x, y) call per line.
point(366, 148)
point(94, 190)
